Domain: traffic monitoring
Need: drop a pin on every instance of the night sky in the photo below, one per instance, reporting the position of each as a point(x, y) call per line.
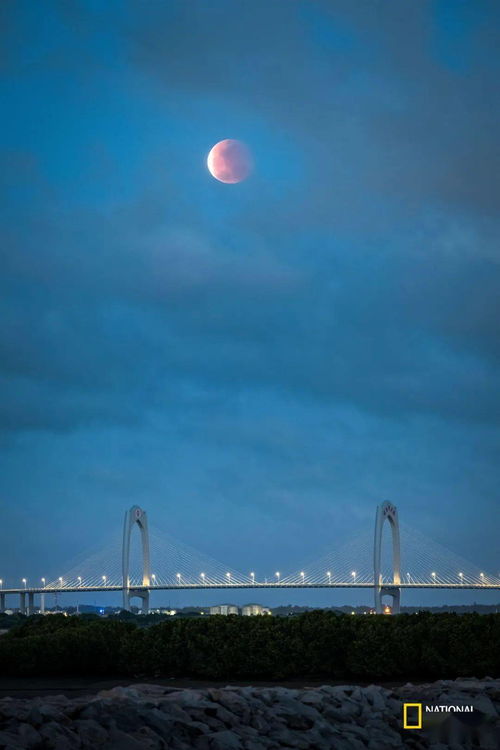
point(259, 364)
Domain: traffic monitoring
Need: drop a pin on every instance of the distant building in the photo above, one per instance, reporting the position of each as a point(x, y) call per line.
point(225, 609)
point(254, 609)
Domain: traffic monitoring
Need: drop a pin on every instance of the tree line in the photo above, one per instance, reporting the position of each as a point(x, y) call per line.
point(317, 644)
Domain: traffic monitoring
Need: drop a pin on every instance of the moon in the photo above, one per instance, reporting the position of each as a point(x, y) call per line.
point(230, 161)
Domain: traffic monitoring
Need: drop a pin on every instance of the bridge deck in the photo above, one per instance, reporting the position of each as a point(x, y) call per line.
point(251, 586)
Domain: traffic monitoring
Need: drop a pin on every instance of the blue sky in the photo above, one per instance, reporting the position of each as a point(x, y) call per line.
point(257, 364)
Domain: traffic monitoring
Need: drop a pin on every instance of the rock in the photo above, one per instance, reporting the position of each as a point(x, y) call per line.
point(357, 731)
point(91, 733)
point(112, 715)
point(233, 702)
point(297, 715)
point(119, 740)
point(188, 698)
point(225, 740)
point(341, 714)
point(119, 693)
point(227, 717)
point(51, 712)
point(312, 698)
point(375, 697)
point(343, 717)
point(34, 716)
point(59, 737)
point(290, 739)
point(15, 709)
point(260, 723)
point(177, 712)
point(10, 739)
point(484, 704)
point(255, 745)
point(155, 741)
point(29, 735)
point(163, 725)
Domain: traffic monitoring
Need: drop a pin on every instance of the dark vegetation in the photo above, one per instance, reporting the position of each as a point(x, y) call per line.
point(319, 644)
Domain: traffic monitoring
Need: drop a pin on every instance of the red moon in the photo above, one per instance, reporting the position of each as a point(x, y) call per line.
point(229, 161)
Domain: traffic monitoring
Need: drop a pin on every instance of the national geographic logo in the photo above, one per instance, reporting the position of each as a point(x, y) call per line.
point(413, 712)
point(412, 715)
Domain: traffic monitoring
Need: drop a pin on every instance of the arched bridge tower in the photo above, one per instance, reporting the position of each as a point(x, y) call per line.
point(132, 517)
point(387, 512)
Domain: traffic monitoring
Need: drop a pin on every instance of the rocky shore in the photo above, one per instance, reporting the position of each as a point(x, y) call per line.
point(144, 716)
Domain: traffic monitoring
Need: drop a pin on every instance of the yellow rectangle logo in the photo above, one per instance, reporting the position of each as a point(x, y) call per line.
point(418, 706)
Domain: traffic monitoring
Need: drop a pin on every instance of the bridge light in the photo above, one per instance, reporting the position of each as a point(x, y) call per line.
point(433, 574)
point(277, 574)
point(461, 576)
point(252, 576)
point(104, 580)
point(482, 577)
point(1, 583)
point(178, 577)
point(24, 581)
point(302, 575)
point(353, 575)
point(154, 579)
point(203, 576)
point(228, 576)
point(43, 582)
point(79, 580)
point(60, 581)
point(328, 573)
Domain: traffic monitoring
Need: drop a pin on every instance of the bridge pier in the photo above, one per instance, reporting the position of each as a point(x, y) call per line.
point(387, 512)
point(31, 603)
point(2, 601)
point(140, 594)
point(394, 593)
point(22, 602)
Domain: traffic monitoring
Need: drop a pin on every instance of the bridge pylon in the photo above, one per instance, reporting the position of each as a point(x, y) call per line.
point(137, 516)
point(387, 512)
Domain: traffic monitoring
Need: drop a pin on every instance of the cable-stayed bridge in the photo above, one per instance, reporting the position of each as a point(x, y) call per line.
point(163, 563)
